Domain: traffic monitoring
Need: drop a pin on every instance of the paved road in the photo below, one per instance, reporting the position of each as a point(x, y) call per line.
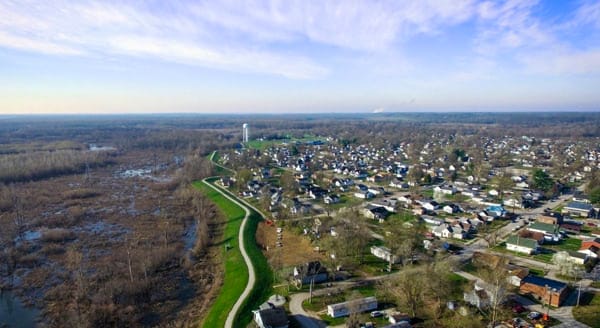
point(305, 319)
point(311, 320)
point(251, 273)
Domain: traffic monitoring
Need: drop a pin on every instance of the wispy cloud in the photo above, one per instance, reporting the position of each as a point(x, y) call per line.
point(561, 62)
point(246, 36)
point(286, 37)
point(507, 25)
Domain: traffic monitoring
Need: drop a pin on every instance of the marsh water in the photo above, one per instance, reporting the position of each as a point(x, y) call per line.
point(14, 314)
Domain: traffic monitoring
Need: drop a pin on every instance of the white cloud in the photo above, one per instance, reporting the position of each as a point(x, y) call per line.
point(170, 34)
point(588, 13)
point(194, 54)
point(564, 62)
point(28, 44)
point(508, 25)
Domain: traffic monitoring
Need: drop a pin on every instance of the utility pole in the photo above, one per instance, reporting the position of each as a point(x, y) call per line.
point(579, 292)
point(312, 281)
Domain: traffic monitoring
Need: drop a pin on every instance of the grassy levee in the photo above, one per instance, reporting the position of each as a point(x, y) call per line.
point(233, 281)
point(219, 170)
point(264, 276)
point(236, 272)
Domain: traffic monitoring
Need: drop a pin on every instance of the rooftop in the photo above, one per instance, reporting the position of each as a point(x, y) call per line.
point(540, 281)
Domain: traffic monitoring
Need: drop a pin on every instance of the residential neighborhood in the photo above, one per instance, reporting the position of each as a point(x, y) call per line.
point(354, 203)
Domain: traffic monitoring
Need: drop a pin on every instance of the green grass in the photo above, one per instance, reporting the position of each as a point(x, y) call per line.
point(218, 169)
point(236, 272)
point(542, 257)
point(536, 272)
point(589, 312)
point(567, 244)
point(402, 216)
point(262, 144)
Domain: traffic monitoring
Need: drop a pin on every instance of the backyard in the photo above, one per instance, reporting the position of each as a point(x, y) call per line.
point(589, 311)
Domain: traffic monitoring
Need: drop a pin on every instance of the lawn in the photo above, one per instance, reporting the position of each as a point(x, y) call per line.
point(589, 312)
point(545, 257)
point(236, 272)
point(320, 303)
point(567, 244)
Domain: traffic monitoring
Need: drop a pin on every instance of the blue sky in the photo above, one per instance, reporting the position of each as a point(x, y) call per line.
point(298, 56)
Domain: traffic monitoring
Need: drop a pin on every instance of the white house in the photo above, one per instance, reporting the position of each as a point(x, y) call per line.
point(384, 253)
point(347, 308)
point(521, 245)
point(271, 318)
point(364, 195)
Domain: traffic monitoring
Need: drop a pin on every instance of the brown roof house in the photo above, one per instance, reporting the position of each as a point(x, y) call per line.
point(547, 290)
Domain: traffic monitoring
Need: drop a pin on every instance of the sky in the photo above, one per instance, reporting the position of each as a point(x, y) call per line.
point(306, 56)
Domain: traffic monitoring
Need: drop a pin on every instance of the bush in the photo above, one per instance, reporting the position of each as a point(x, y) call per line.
point(52, 249)
point(57, 235)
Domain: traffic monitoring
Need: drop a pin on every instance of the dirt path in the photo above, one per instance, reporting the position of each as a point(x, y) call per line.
point(251, 273)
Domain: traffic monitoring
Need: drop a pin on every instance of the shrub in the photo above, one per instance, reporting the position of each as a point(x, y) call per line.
point(57, 235)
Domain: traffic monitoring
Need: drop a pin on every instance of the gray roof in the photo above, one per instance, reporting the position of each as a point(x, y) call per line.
point(275, 317)
point(579, 206)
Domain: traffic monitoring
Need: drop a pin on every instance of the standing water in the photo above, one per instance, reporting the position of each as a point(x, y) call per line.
point(14, 314)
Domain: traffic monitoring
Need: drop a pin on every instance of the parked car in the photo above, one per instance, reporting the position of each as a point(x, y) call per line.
point(376, 314)
point(534, 315)
point(518, 308)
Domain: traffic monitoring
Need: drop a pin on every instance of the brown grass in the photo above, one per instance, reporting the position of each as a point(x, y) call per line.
point(296, 249)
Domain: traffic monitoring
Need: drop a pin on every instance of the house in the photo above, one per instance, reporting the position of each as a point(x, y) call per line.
point(513, 203)
point(481, 295)
point(310, 272)
point(591, 242)
point(398, 318)
point(550, 218)
point(578, 196)
point(550, 231)
point(448, 231)
point(451, 209)
point(376, 212)
point(271, 318)
point(516, 274)
point(384, 253)
point(430, 205)
point(579, 208)
point(537, 236)
point(430, 220)
point(590, 251)
point(495, 211)
point(591, 247)
point(331, 199)
point(354, 306)
point(388, 203)
point(445, 190)
point(571, 226)
point(364, 195)
point(227, 181)
point(521, 245)
point(577, 257)
point(547, 290)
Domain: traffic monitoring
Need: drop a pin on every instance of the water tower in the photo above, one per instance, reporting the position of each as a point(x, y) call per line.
point(245, 132)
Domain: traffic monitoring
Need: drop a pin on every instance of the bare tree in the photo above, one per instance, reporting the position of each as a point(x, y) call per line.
point(497, 284)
